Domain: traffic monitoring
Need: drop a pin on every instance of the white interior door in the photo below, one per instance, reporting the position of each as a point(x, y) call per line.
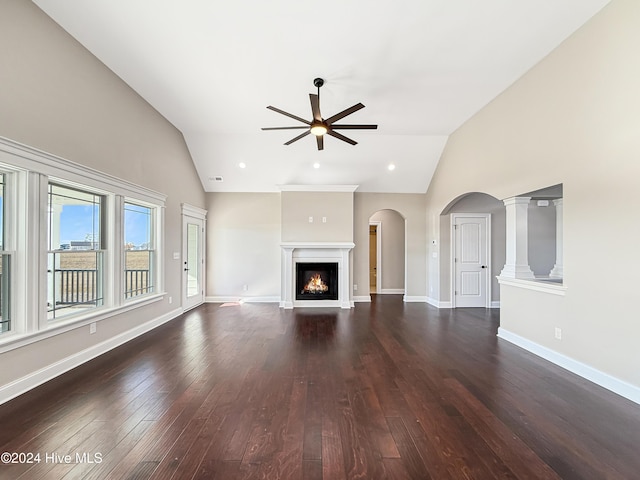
point(471, 260)
point(192, 261)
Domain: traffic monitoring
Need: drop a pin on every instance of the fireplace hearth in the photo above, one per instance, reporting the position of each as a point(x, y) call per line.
point(316, 281)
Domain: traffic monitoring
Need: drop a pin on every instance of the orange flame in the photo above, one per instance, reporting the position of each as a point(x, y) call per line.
point(316, 285)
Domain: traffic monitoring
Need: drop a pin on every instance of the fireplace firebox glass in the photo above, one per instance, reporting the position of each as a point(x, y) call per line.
point(316, 281)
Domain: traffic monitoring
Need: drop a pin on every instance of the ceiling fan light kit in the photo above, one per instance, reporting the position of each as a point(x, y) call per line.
point(319, 126)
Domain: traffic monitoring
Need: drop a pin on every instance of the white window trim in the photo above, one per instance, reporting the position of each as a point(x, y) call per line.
point(158, 229)
point(32, 169)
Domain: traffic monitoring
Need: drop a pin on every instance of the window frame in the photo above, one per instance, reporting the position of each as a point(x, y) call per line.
point(101, 252)
point(31, 171)
point(7, 248)
point(153, 241)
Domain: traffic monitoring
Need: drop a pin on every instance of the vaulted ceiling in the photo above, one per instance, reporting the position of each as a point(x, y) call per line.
point(421, 68)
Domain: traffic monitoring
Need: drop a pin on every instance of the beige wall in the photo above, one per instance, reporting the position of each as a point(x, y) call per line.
point(244, 238)
point(298, 207)
point(411, 207)
point(243, 245)
point(573, 119)
point(57, 97)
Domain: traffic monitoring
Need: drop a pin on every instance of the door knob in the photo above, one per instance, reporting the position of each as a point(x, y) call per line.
point(483, 266)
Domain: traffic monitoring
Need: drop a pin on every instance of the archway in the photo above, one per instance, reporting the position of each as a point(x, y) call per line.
point(474, 203)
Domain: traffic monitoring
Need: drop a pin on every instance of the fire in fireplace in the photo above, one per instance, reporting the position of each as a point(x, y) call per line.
point(316, 281)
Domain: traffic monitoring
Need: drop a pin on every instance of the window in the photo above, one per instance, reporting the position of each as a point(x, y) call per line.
point(5, 265)
point(75, 251)
point(77, 246)
point(139, 250)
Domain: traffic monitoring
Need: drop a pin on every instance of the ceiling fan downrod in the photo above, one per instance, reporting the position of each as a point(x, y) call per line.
point(318, 82)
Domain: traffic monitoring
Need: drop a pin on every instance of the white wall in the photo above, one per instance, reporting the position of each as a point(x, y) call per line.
point(334, 207)
point(243, 246)
point(572, 119)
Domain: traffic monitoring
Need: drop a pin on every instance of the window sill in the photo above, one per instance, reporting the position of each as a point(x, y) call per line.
point(539, 285)
point(11, 341)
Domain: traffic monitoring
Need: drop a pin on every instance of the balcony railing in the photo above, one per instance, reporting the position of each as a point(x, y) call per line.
point(136, 282)
point(80, 286)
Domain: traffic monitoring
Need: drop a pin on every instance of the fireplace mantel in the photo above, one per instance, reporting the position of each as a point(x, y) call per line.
point(337, 252)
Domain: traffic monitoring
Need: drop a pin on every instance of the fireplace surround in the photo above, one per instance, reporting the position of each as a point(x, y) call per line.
point(325, 256)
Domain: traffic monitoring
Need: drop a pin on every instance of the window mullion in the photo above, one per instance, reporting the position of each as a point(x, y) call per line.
point(35, 241)
point(116, 248)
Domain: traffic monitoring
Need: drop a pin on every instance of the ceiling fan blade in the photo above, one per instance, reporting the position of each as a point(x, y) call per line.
point(320, 140)
point(281, 128)
point(315, 107)
point(282, 112)
point(355, 127)
point(341, 137)
point(298, 137)
point(344, 113)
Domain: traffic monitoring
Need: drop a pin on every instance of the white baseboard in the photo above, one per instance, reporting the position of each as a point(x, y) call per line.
point(265, 299)
point(495, 304)
point(34, 379)
point(221, 299)
point(414, 299)
point(362, 299)
point(605, 380)
point(438, 303)
point(390, 291)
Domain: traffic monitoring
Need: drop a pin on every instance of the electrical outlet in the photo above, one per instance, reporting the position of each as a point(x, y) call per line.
point(558, 333)
point(310, 219)
point(245, 287)
point(355, 287)
point(170, 300)
point(92, 328)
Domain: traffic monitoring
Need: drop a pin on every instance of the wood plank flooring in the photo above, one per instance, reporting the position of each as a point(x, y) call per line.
point(386, 390)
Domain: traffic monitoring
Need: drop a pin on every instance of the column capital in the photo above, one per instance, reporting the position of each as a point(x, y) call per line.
point(516, 201)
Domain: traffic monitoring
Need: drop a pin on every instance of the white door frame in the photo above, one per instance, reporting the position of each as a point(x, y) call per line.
point(378, 225)
point(452, 261)
point(197, 215)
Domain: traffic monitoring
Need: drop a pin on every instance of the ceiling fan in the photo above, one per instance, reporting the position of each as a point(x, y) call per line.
point(320, 126)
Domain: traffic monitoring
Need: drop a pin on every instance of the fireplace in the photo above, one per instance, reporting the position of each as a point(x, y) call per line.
point(329, 260)
point(316, 281)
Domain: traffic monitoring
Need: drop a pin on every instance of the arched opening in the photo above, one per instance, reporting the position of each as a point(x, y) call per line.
point(471, 212)
point(387, 252)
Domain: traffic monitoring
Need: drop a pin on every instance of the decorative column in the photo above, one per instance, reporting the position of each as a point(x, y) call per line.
point(557, 270)
point(517, 255)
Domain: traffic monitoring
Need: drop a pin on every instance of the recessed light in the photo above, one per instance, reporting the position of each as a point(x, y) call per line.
point(391, 167)
point(316, 165)
point(242, 165)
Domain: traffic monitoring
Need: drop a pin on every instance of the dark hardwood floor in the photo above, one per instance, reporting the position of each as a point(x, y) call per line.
point(385, 390)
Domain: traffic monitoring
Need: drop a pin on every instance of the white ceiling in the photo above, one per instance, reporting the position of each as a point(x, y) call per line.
point(421, 68)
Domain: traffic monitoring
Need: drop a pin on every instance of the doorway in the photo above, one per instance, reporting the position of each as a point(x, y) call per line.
point(471, 259)
point(193, 238)
point(387, 253)
point(375, 251)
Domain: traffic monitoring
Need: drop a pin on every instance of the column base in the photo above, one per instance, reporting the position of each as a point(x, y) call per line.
point(517, 271)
